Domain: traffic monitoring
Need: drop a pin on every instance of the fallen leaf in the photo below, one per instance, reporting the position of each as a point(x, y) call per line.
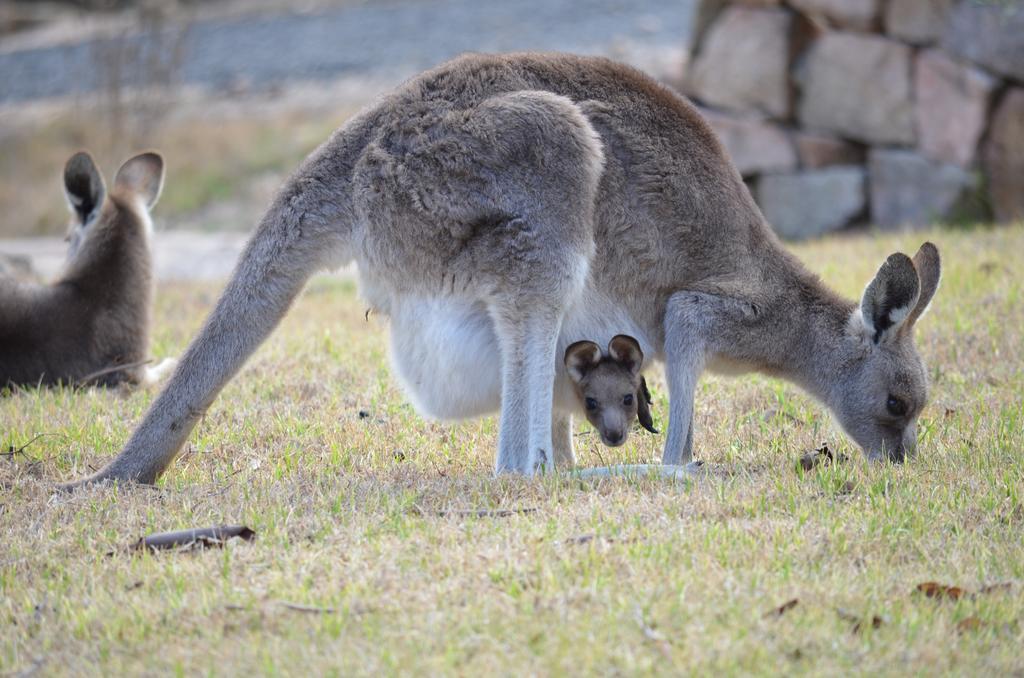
point(859, 623)
point(782, 609)
point(969, 624)
point(581, 539)
point(588, 538)
point(198, 538)
point(822, 455)
point(940, 591)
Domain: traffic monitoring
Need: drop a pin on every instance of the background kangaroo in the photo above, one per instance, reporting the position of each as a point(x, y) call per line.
point(539, 200)
point(96, 315)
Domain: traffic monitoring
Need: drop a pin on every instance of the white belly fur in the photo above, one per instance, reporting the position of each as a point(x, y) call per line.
point(445, 353)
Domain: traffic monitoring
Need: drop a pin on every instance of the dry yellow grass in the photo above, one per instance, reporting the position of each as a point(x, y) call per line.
point(607, 577)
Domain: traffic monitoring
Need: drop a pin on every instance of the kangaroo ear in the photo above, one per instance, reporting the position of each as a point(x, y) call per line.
point(643, 407)
point(142, 175)
point(580, 358)
point(625, 350)
point(83, 185)
point(929, 271)
point(889, 298)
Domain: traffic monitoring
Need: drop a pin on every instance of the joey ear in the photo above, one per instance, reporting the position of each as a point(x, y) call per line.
point(625, 350)
point(929, 271)
point(643, 407)
point(580, 358)
point(83, 185)
point(890, 297)
point(142, 175)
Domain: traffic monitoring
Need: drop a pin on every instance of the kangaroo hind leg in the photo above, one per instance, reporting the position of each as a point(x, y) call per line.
point(545, 177)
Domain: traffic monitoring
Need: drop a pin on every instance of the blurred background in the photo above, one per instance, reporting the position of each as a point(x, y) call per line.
point(839, 113)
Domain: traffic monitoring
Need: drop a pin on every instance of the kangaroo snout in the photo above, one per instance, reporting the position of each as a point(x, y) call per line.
point(904, 446)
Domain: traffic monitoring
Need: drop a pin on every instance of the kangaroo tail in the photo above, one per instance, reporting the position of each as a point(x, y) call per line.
point(308, 227)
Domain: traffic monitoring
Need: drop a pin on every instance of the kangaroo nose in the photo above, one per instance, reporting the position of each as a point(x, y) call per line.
point(905, 446)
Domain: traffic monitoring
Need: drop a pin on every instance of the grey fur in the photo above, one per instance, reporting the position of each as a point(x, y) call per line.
point(534, 200)
point(96, 315)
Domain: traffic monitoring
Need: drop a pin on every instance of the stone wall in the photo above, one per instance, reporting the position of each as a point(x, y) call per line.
point(900, 113)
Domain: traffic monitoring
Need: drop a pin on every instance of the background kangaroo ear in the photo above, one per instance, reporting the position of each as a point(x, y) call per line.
point(643, 407)
point(143, 175)
point(83, 185)
point(929, 271)
point(625, 350)
point(889, 298)
point(580, 358)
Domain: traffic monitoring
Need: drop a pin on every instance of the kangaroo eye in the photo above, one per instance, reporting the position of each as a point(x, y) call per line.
point(627, 399)
point(897, 407)
point(591, 404)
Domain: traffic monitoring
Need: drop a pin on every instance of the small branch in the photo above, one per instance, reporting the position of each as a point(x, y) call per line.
point(11, 452)
point(310, 609)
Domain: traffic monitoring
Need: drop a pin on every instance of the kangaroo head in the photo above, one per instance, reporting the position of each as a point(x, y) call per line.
point(137, 186)
point(610, 387)
point(881, 385)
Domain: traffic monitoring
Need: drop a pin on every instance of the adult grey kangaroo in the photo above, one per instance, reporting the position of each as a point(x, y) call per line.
point(92, 324)
point(501, 207)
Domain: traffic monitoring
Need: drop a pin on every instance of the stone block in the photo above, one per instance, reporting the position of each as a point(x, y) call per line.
point(951, 108)
point(990, 34)
point(907, 189)
point(811, 203)
point(1004, 158)
point(920, 22)
point(858, 86)
point(819, 150)
point(857, 14)
point(743, 61)
point(754, 144)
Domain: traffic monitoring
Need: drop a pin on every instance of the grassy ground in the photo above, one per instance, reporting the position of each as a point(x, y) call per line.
point(356, 518)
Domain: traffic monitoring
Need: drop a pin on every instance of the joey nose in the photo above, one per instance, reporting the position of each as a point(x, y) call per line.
point(614, 438)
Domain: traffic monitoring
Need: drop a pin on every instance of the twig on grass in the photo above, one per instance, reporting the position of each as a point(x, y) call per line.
point(310, 609)
point(12, 452)
point(781, 609)
point(196, 538)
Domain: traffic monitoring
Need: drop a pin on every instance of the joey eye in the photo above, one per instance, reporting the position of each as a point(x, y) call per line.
point(897, 406)
point(627, 399)
point(591, 404)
